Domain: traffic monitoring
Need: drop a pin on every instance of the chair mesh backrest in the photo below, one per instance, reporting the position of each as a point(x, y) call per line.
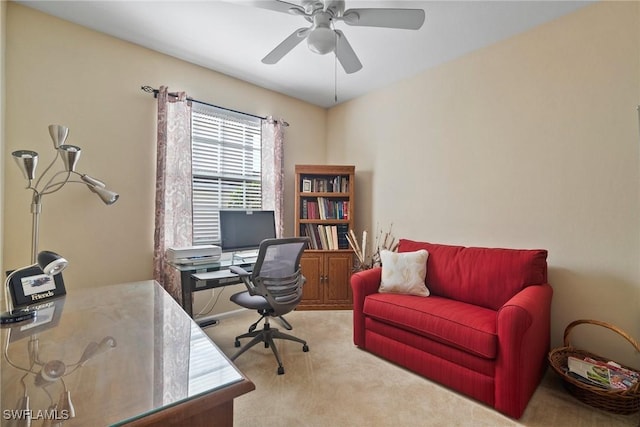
point(277, 275)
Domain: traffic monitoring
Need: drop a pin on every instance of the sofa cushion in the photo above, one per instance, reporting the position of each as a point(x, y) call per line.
point(487, 277)
point(452, 355)
point(458, 324)
point(404, 273)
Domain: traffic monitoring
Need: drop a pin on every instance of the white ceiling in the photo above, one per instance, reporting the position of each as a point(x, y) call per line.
point(232, 37)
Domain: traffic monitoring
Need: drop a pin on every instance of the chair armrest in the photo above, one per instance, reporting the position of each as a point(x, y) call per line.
point(363, 283)
point(245, 276)
point(524, 330)
point(236, 269)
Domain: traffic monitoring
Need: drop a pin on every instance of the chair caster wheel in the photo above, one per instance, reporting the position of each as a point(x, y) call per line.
point(237, 343)
point(266, 345)
point(280, 370)
point(305, 348)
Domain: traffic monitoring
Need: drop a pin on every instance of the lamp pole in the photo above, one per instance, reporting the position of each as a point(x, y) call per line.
point(36, 208)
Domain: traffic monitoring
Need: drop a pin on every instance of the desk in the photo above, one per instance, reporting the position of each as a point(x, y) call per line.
point(190, 284)
point(127, 355)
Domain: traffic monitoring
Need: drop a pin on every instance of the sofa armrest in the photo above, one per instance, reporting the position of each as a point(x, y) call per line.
point(363, 283)
point(524, 324)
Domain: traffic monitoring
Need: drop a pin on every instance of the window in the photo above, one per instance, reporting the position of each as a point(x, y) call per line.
point(226, 161)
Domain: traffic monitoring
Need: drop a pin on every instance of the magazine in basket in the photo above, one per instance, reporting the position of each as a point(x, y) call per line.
point(606, 375)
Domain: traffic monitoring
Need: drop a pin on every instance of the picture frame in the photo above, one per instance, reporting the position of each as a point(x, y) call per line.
point(32, 286)
point(306, 185)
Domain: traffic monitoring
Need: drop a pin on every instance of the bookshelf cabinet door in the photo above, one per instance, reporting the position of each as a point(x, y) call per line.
point(328, 277)
point(337, 287)
point(312, 270)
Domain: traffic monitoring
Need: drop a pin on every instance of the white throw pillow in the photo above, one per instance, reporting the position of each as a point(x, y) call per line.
point(404, 272)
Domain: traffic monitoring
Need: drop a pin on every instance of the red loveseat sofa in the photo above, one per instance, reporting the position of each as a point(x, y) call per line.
point(483, 331)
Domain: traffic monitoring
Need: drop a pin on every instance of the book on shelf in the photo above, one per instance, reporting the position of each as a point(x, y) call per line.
point(608, 375)
point(332, 209)
point(309, 209)
point(326, 236)
point(307, 230)
point(334, 237)
point(324, 242)
point(334, 184)
point(322, 213)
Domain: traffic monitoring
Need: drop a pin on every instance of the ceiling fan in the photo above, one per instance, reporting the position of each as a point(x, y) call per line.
point(321, 36)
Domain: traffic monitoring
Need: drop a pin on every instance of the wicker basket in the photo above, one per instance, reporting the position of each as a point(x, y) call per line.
point(612, 400)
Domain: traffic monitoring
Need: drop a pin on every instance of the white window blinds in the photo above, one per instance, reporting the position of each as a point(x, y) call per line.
point(226, 160)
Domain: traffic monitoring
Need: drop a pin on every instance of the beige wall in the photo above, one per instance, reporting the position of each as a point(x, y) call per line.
point(3, 27)
point(58, 72)
point(529, 143)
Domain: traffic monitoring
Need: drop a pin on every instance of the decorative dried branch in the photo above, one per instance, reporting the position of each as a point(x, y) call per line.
point(383, 241)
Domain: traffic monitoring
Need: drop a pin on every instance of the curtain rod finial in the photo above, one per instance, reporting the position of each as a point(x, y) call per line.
point(149, 89)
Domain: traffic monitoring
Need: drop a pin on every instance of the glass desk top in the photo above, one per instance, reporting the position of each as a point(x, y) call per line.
point(107, 356)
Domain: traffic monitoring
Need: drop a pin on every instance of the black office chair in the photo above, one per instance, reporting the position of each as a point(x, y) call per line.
point(274, 288)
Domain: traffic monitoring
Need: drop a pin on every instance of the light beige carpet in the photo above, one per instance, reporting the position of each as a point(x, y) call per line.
point(336, 384)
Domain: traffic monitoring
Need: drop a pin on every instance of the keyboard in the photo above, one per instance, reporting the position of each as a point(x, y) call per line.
point(214, 275)
point(214, 279)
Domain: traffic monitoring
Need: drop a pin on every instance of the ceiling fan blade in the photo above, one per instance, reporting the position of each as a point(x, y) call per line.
point(276, 5)
point(286, 45)
point(336, 6)
point(406, 19)
point(346, 55)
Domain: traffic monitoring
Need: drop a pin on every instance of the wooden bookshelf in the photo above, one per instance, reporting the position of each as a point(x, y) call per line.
point(324, 211)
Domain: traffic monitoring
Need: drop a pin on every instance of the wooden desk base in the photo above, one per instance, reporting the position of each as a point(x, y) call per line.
point(212, 410)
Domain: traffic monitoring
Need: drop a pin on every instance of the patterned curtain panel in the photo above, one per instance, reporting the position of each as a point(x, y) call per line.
point(173, 186)
point(273, 170)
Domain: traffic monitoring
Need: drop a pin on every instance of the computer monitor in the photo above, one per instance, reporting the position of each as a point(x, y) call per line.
point(242, 230)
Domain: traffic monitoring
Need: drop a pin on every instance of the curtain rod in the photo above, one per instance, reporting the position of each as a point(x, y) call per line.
point(149, 89)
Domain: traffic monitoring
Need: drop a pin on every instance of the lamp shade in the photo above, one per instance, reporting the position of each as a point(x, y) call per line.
point(70, 156)
point(58, 134)
point(93, 349)
point(51, 263)
point(108, 197)
point(93, 181)
point(27, 161)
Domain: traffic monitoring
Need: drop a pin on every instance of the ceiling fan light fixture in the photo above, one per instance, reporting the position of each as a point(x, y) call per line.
point(351, 17)
point(322, 40)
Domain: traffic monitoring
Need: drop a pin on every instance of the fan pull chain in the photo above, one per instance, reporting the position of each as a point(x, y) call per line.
point(335, 68)
point(335, 79)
